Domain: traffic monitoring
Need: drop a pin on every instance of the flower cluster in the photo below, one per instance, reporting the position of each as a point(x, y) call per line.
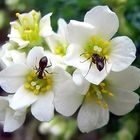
point(79, 66)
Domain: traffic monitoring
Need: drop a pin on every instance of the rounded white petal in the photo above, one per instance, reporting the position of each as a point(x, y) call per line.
point(94, 75)
point(54, 40)
point(80, 32)
point(127, 79)
point(13, 77)
point(122, 102)
point(104, 20)
point(22, 98)
point(81, 82)
point(67, 98)
point(73, 55)
point(22, 43)
point(34, 56)
point(62, 28)
point(18, 57)
point(43, 108)
point(123, 53)
point(14, 32)
point(60, 76)
point(45, 25)
point(12, 56)
point(3, 106)
point(12, 121)
point(56, 60)
point(92, 116)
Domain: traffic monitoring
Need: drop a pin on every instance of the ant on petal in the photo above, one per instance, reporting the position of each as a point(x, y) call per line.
point(98, 60)
point(43, 63)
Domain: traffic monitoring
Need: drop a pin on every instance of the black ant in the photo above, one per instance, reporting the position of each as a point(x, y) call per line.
point(43, 63)
point(98, 60)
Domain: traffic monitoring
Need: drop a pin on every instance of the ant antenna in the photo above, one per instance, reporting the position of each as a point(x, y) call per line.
point(89, 68)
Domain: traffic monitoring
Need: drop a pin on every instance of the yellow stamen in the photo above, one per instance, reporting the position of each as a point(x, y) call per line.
point(105, 105)
point(104, 91)
point(102, 84)
point(110, 94)
point(36, 85)
point(27, 85)
point(97, 45)
point(99, 102)
point(17, 14)
point(29, 78)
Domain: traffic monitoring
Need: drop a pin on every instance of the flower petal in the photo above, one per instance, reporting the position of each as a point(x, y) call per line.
point(34, 56)
point(14, 32)
point(60, 75)
point(80, 32)
point(21, 43)
point(18, 57)
point(94, 75)
point(67, 98)
point(122, 102)
point(13, 77)
point(104, 20)
point(43, 108)
point(15, 35)
point(3, 106)
point(53, 41)
point(81, 82)
point(62, 28)
point(123, 53)
point(127, 79)
point(12, 56)
point(13, 121)
point(56, 60)
point(22, 98)
point(45, 25)
point(92, 116)
point(73, 55)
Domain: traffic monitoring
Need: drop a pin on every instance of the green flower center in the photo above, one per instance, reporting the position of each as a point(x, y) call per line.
point(29, 27)
point(96, 92)
point(60, 49)
point(36, 85)
point(97, 45)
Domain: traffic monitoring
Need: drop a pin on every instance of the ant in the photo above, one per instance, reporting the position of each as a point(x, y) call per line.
point(96, 59)
point(43, 63)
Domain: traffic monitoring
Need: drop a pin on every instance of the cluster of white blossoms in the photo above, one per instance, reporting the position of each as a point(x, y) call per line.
point(36, 60)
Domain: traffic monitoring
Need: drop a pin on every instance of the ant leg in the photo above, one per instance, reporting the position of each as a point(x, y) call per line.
point(35, 68)
point(49, 65)
point(85, 60)
point(48, 72)
point(83, 54)
point(88, 69)
point(44, 74)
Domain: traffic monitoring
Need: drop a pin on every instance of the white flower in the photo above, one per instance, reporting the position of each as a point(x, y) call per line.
point(114, 94)
point(9, 55)
point(58, 43)
point(92, 49)
point(35, 86)
point(30, 28)
point(11, 119)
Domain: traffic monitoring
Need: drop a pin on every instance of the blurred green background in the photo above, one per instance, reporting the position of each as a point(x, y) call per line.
point(118, 128)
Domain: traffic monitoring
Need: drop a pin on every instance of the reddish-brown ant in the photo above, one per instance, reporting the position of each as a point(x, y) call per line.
point(99, 61)
point(43, 63)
